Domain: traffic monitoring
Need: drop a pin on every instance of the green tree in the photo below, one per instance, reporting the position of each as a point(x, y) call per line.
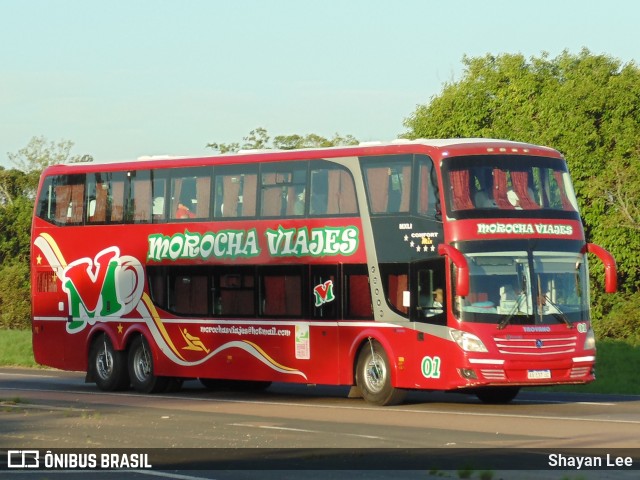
point(17, 192)
point(585, 105)
point(259, 139)
point(292, 142)
point(256, 140)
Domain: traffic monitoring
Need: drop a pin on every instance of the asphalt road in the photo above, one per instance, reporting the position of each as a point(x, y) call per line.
point(200, 433)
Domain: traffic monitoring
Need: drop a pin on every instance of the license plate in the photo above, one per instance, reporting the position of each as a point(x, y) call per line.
point(536, 374)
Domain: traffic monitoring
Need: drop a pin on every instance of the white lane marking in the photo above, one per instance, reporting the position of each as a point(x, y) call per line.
point(302, 430)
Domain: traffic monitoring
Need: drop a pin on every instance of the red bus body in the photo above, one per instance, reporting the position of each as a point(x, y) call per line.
point(341, 291)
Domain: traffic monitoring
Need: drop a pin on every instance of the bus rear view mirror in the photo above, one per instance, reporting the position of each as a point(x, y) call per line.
point(462, 268)
point(610, 271)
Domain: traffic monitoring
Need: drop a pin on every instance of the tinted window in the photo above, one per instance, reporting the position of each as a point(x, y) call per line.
point(62, 199)
point(283, 189)
point(235, 191)
point(332, 190)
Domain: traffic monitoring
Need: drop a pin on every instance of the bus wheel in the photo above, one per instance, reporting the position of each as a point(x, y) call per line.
point(373, 376)
point(108, 366)
point(141, 368)
point(497, 395)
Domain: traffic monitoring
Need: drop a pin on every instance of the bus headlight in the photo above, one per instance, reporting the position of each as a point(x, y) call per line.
point(467, 341)
point(590, 340)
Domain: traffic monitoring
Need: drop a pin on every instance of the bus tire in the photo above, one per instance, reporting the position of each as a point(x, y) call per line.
point(141, 368)
point(373, 376)
point(108, 366)
point(497, 395)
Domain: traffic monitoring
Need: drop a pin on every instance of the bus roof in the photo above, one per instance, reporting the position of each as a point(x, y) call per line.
point(438, 148)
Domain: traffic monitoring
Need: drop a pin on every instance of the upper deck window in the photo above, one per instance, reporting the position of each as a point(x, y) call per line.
point(508, 183)
point(283, 187)
point(62, 199)
point(332, 190)
point(235, 191)
point(400, 184)
point(190, 193)
point(316, 188)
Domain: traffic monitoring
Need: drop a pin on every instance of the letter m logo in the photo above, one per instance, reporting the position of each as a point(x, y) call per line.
point(324, 293)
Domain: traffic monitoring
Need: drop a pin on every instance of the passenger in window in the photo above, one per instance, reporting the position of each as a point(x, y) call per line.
point(183, 210)
point(298, 208)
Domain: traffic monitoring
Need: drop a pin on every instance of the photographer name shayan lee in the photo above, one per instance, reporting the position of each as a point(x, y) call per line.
point(578, 462)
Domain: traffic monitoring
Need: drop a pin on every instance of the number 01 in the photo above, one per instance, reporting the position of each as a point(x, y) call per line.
point(431, 367)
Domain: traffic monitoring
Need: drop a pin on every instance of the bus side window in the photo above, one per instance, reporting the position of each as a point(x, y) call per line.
point(281, 292)
point(395, 280)
point(271, 196)
point(234, 292)
point(188, 291)
point(428, 203)
point(97, 196)
point(140, 196)
point(389, 186)
point(46, 202)
point(66, 199)
point(183, 198)
point(356, 293)
point(116, 198)
point(235, 192)
point(159, 204)
point(319, 192)
point(332, 192)
point(283, 190)
point(190, 193)
point(430, 292)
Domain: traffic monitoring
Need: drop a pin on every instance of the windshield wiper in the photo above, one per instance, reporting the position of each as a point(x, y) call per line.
point(516, 307)
point(558, 314)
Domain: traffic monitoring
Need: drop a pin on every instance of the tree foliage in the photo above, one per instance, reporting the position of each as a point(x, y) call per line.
point(587, 106)
point(258, 139)
point(17, 192)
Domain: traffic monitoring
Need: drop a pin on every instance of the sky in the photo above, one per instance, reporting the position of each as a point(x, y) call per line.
point(126, 78)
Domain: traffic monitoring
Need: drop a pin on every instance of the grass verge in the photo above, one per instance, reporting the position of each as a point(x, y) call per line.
point(617, 364)
point(617, 370)
point(16, 349)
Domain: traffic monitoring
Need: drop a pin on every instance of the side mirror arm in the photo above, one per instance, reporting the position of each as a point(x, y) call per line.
point(462, 268)
point(610, 271)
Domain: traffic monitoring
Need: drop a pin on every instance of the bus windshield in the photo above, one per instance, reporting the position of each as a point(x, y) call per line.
point(494, 183)
point(525, 288)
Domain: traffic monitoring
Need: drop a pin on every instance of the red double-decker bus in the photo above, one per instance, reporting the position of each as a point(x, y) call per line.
point(430, 264)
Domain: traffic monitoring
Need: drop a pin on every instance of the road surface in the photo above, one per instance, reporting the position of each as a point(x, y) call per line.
point(289, 428)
